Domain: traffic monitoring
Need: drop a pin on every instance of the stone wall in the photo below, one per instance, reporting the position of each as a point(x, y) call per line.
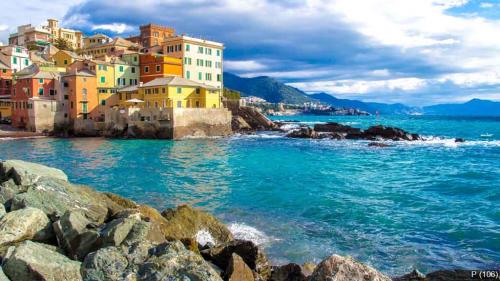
point(45, 115)
point(201, 122)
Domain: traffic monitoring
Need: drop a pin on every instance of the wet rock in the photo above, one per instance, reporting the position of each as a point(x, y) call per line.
point(123, 202)
point(144, 231)
point(26, 173)
point(55, 197)
point(238, 124)
point(333, 127)
point(238, 270)
point(105, 264)
point(187, 222)
point(450, 275)
point(303, 133)
point(152, 215)
point(415, 275)
point(459, 140)
point(308, 268)
point(75, 234)
point(144, 130)
point(378, 144)
point(289, 272)
point(173, 260)
point(253, 256)
point(25, 224)
point(345, 269)
point(32, 261)
point(255, 119)
point(390, 133)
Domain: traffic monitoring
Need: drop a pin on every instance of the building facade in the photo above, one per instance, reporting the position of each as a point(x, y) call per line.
point(202, 59)
point(152, 35)
point(154, 66)
point(5, 80)
point(16, 57)
point(73, 37)
point(116, 47)
point(94, 40)
point(30, 37)
point(80, 93)
point(64, 58)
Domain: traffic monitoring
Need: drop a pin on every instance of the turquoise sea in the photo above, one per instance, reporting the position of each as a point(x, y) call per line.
point(426, 205)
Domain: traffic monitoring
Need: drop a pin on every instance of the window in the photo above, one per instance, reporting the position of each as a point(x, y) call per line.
point(218, 53)
point(132, 70)
point(65, 62)
point(179, 104)
point(103, 79)
point(158, 68)
point(179, 90)
point(135, 58)
point(188, 47)
point(71, 105)
point(18, 50)
point(163, 90)
point(84, 107)
point(200, 50)
point(197, 103)
point(208, 76)
point(219, 77)
point(188, 74)
point(26, 62)
point(200, 76)
point(40, 91)
point(14, 60)
point(4, 70)
point(84, 94)
point(199, 62)
point(52, 92)
point(40, 81)
point(103, 102)
point(66, 97)
point(146, 69)
point(208, 63)
point(121, 68)
point(208, 51)
point(198, 91)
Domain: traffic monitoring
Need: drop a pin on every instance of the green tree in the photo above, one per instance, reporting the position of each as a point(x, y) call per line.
point(63, 44)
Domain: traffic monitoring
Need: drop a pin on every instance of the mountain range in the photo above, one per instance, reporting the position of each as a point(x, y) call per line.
point(275, 91)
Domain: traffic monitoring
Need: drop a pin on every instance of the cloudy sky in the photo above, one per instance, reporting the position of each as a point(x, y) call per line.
point(414, 51)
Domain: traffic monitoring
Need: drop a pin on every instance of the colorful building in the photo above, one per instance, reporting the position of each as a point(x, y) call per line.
point(30, 37)
point(202, 59)
point(178, 92)
point(5, 80)
point(73, 37)
point(5, 108)
point(94, 40)
point(34, 87)
point(152, 35)
point(64, 58)
point(116, 47)
point(158, 65)
point(80, 93)
point(16, 57)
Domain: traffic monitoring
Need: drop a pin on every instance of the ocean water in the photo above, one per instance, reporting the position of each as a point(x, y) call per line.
point(426, 205)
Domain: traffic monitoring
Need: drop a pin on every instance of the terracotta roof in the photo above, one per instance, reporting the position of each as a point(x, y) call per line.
point(36, 73)
point(82, 72)
point(175, 81)
point(72, 54)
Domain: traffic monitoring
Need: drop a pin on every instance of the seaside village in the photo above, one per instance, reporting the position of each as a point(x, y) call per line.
point(158, 82)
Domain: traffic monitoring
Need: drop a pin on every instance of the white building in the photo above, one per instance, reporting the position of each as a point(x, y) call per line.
point(16, 57)
point(202, 59)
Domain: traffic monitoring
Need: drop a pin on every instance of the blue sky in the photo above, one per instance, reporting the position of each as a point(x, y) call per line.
point(417, 52)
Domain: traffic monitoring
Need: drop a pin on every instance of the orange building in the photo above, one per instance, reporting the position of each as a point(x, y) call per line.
point(5, 80)
point(152, 35)
point(80, 90)
point(157, 66)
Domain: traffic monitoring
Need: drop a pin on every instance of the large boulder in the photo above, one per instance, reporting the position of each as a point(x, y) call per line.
point(55, 197)
point(25, 224)
point(415, 275)
point(26, 173)
point(8, 189)
point(172, 261)
point(32, 261)
point(333, 127)
point(253, 256)
point(105, 264)
point(76, 235)
point(116, 231)
point(144, 231)
point(238, 270)
point(303, 133)
point(289, 272)
point(390, 133)
point(462, 275)
point(345, 269)
point(187, 222)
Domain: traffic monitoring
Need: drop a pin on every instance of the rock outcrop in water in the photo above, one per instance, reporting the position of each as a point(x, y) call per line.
point(338, 131)
point(51, 229)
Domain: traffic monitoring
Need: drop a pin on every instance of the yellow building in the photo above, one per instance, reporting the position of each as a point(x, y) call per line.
point(178, 92)
point(64, 58)
point(74, 37)
point(5, 108)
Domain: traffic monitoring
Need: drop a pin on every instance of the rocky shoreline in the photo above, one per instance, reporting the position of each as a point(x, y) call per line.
point(51, 229)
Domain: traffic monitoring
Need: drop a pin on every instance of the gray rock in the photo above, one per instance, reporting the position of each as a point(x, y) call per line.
point(2, 211)
point(75, 235)
point(171, 261)
point(253, 256)
point(32, 261)
point(415, 275)
point(55, 197)
point(345, 269)
point(238, 270)
point(106, 264)
point(8, 190)
point(303, 133)
point(144, 231)
point(116, 231)
point(26, 173)
point(3, 277)
point(24, 224)
point(187, 222)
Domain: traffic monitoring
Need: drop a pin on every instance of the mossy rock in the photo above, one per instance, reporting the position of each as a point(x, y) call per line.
point(123, 202)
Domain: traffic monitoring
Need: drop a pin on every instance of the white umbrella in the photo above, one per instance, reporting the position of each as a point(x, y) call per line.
point(135, 100)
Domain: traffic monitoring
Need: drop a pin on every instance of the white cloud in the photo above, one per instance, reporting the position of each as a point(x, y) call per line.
point(3, 27)
point(118, 28)
point(243, 65)
point(486, 5)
